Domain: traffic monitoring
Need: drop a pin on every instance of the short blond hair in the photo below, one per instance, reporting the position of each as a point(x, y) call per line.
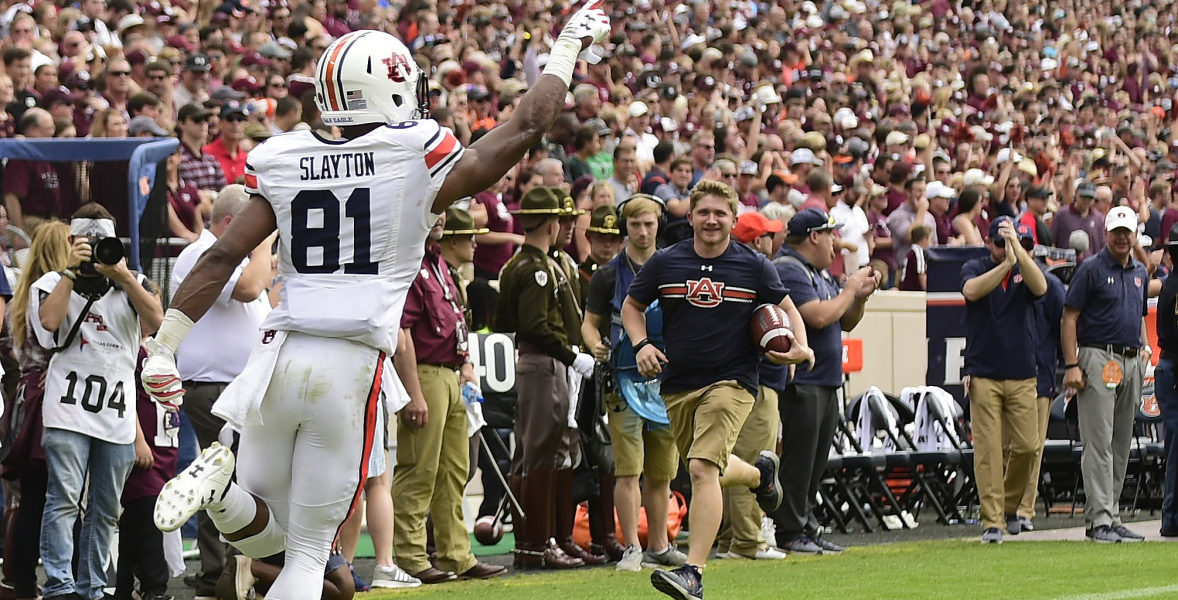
point(707, 187)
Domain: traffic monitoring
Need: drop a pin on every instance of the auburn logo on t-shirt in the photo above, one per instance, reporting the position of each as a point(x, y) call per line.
point(706, 293)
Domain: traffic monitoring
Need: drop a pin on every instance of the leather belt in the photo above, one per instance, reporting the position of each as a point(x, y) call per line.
point(524, 346)
point(1126, 351)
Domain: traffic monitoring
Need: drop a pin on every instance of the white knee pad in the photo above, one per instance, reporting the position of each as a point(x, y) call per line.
point(270, 541)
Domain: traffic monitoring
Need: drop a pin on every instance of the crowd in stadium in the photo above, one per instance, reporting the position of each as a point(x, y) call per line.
point(911, 124)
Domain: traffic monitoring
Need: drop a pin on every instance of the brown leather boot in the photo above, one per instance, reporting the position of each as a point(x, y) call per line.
point(555, 557)
point(566, 514)
point(529, 550)
point(602, 526)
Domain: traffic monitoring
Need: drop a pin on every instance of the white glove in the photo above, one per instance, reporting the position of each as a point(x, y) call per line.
point(588, 22)
point(161, 378)
point(584, 364)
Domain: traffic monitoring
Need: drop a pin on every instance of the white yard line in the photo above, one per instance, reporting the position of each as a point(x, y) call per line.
point(1119, 595)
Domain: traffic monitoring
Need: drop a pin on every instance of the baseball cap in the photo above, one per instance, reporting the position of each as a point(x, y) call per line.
point(256, 131)
point(197, 62)
point(225, 93)
point(58, 94)
point(896, 138)
point(192, 112)
point(1086, 190)
point(1025, 236)
point(273, 49)
point(748, 167)
point(809, 220)
point(804, 156)
point(1120, 216)
point(478, 93)
point(936, 189)
point(234, 107)
point(976, 177)
point(638, 108)
point(1038, 191)
point(602, 128)
point(129, 21)
point(144, 123)
point(752, 225)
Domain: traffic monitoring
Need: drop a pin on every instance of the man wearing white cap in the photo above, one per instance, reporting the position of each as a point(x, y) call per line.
point(1103, 339)
point(896, 142)
point(638, 126)
point(800, 163)
point(939, 196)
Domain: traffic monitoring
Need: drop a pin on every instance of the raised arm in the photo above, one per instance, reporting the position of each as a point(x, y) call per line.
point(489, 158)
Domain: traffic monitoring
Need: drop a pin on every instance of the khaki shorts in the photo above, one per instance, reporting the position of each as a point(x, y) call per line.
point(638, 448)
point(706, 421)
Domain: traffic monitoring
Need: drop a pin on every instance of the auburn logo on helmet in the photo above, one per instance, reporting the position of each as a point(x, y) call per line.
point(398, 67)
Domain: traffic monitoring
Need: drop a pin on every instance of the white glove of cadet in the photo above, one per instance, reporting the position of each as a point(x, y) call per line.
point(584, 364)
point(161, 378)
point(588, 22)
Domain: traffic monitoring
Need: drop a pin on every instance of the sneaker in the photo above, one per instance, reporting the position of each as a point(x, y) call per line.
point(669, 557)
point(828, 547)
point(360, 584)
point(802, 545)
point(766, 553)
point(1128, 535)
point(393, 577)
point(237, 579)
point(684, 583)
point(1013, 525)
point(631, 559)
point(768, 491)
point(1025, 523)
point(1103, 534)
point(992, 535)
point(202, 483)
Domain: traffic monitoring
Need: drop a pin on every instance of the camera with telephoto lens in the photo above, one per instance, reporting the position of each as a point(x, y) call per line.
point(105, 250)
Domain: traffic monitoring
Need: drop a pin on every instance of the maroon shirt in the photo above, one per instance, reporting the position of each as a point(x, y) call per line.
point(44, 189)
point(161, 430)
point(487, 257)
point(184, 200)
point(434, 313)
point(895, 199)
point(913, 268)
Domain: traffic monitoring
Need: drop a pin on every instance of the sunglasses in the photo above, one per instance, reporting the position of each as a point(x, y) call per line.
point(120, 73)
point(1027, 243)
point(235, 118)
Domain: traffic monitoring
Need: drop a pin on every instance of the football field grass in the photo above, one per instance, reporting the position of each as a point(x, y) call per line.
point(933, 570)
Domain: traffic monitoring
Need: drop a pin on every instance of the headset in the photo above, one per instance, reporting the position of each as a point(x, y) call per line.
point(662, 212)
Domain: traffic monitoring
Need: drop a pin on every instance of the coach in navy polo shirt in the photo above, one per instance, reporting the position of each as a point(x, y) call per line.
point(708, 288)
point(809, 406)
point(1000, 291)
point(1102, 336)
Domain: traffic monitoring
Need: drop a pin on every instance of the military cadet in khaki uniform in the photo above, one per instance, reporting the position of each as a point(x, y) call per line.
point(537, 302)
point(566, 509)
point(433, 455)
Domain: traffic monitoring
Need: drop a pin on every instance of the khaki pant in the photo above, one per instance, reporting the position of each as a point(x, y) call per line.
point(706, 421)
point(431, 471)
point(1106, 427)
point(1028, 496)
point(741, 530)
point(1002, 412)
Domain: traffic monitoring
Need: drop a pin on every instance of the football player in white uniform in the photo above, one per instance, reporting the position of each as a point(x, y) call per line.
point(352, 215)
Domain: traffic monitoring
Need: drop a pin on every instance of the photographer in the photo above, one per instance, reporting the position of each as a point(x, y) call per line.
point(93, 315)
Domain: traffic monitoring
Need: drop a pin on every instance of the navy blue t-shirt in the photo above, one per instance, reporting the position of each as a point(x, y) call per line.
point(707, 304)
point(1048, 313)
point(999, 343)
point(1111, 299)
point(807, 284)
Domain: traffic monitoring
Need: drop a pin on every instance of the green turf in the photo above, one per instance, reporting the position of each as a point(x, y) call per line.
point(364, 547)
point(937, 570)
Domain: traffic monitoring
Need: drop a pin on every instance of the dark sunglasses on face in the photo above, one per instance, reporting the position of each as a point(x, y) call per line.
point(1027, 243)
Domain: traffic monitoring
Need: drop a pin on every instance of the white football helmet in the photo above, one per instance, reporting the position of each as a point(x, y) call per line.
point(370, 77)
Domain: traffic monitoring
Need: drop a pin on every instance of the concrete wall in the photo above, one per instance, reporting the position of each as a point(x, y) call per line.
point(895, 351)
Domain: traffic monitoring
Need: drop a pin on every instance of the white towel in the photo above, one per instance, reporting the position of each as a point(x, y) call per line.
point(241, 402)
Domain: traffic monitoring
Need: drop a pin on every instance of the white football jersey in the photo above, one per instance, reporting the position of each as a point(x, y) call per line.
point(352, 218)
point(90, 385)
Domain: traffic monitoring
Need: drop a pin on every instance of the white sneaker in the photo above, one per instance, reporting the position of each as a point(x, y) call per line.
point(393, 577)
point(631, 559)
point(766, 553)
point(201, 484)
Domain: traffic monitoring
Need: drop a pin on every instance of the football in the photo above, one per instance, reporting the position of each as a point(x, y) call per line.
point(488, 531)
point(770, 328)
